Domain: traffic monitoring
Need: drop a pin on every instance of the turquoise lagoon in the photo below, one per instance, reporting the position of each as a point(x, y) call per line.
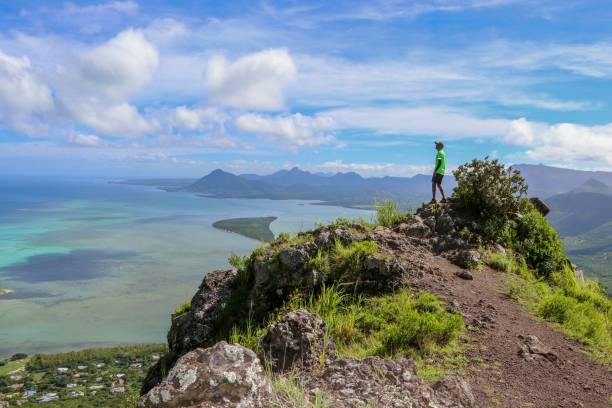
point(99, 264)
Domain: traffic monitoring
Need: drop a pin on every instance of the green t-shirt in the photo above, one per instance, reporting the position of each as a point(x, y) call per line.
point(440, 165)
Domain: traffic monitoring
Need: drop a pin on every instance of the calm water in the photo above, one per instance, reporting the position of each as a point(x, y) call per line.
point(93, 263)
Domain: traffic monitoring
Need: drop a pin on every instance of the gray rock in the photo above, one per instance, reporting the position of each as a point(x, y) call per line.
point(465, 274)
point(374, 381)
point(453, 391)
point(221, 376)
point(531, 347)
point(444, 224)
point(467, 258)
point(430, 222)
point(415, 229)
point(193, 328)
point(298, 339)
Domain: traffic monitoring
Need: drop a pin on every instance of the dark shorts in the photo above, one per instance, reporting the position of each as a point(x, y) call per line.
point(437, 178)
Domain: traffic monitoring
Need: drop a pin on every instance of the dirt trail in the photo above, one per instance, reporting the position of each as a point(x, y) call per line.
point(507, 379)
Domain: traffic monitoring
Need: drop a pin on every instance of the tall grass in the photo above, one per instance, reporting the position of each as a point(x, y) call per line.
point(389, 213)
point(400, 324)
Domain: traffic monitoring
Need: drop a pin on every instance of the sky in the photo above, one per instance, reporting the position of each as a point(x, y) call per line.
point(128, 88)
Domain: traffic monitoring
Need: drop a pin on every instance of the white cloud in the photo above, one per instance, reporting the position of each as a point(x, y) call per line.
point(85, 140)
point(428, 121)
point(23, 95)
point(97, 89)
point(564, 142)
point(118, 67)
point(255, 81)
point(127, 6)
point(196, 119)
point(371, 169)
point(121, 120)
point(293, 130)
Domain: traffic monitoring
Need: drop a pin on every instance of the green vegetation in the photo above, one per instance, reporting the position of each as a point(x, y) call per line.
point(487, 189)
point(288, 392)
point(257, 227)
point(399, 324)
point(543, 278)
point(389, 326)
point(184, 308)
point(88, 378)
point(389, 214)
point(580, 309)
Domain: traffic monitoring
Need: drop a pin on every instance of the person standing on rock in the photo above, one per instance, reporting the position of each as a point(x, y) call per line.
point(438, 175)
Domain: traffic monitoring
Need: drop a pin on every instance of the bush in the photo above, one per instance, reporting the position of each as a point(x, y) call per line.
point(490, 192)
point(539, 244)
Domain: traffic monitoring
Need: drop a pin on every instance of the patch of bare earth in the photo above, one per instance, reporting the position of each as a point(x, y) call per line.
point(498, 373)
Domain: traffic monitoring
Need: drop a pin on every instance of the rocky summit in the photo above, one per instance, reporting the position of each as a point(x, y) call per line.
point(288, 346)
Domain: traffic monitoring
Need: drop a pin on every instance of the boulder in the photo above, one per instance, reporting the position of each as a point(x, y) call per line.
point(221, 376)
point(193, 328)
point(465, 274)
point(531, 347)
point(415, 229)
point(467, 258)
point(279, 272)
point(298, 339)
point(453, 391)
point(444, 224)
point(540, 205)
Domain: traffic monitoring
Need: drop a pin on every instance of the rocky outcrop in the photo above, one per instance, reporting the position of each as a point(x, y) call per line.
point(225, 375)
point(193, 328)
point(221, 376)
point(297, 340)
point(378, 382)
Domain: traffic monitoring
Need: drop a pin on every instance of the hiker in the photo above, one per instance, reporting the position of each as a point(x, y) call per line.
point(438, 174)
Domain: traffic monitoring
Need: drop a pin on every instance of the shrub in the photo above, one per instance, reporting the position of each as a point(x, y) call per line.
point(490, 192)
point(539, 244)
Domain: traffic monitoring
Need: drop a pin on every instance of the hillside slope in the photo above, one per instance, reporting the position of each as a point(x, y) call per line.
point(376, 290)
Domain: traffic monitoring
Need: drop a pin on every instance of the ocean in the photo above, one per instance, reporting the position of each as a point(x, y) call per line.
point(92, 263)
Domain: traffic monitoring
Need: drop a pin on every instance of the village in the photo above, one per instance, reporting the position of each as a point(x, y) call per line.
point(88, 378)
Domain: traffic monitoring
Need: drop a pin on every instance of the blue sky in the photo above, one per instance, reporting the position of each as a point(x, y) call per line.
point(127, 88)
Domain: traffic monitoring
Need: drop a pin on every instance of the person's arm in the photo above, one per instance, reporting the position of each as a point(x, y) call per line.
point(438, 163)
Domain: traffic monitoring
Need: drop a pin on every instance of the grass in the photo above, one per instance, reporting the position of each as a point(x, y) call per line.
point(184, 308)
point(389, 213)
point(581, 309)
point(288, 392)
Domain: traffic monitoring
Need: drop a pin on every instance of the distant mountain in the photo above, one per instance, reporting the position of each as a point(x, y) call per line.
point(345, 189)
point(583, 217)
point(546, 181)
point(222, 184)
point(575, 213)
point(593, 186)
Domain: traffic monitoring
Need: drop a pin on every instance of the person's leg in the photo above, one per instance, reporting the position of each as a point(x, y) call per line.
point(442, 191)
point(433, 191)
